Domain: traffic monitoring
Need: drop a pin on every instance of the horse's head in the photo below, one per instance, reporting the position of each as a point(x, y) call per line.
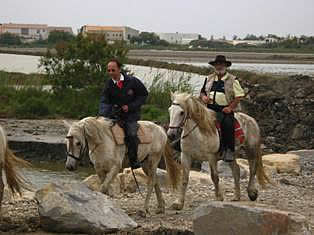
point(178, 115)
point(77, 146)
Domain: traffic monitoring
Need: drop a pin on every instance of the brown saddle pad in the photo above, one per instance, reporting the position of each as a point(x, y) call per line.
point(144, 134)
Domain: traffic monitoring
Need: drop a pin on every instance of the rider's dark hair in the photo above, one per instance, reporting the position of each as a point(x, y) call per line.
point(119, 64)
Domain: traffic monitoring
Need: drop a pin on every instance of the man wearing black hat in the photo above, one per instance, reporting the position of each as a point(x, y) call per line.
point(222, 93)
point(122, 99)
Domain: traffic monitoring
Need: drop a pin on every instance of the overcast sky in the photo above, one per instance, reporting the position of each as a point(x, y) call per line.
point(207, 17)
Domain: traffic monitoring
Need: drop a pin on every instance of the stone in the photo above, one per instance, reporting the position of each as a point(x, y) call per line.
point(222, 218)
point(74, 208)
point(93, 183)
point(306, 159)
point(283, 163)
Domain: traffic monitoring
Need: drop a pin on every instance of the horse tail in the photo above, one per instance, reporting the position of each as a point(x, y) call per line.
point(172, 166)
point(16, 181)
point(262, 178)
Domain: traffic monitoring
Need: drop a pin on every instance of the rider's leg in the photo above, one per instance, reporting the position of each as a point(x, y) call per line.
point(132, 142)
point(227, 132)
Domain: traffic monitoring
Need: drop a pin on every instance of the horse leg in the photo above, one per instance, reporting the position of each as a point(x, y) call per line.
point(1, 186)
point(160, 199)
point(186, 164)
point(150, 170)
point(106, 179)
point(252, 189)
point(236, 176)
point(215, 179)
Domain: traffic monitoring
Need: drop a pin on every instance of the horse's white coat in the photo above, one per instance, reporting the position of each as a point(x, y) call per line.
point(202, 143)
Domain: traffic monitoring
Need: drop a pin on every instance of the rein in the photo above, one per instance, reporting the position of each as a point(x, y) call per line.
point(83, 150)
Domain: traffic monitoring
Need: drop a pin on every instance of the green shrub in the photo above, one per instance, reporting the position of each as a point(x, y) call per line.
point(33, 107)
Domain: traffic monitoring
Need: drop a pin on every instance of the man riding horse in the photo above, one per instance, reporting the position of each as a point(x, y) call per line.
point(222, 93)
point(122, 99)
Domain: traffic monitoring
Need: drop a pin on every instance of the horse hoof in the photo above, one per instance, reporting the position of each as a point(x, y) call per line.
point(253, 195)
point(176, 206)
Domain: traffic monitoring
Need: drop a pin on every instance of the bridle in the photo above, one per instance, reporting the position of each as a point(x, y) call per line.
point(182, 124)
point(83, 150)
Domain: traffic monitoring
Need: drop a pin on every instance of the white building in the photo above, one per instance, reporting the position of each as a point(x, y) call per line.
point(31, 32)
point(178, 38)
point(112, 33)
point(26, 31)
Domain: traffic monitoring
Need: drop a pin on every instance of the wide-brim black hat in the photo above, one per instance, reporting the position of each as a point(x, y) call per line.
point(220, 59)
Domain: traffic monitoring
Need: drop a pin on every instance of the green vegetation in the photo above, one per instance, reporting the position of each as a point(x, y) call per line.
point(73, 83)
point(147, 38)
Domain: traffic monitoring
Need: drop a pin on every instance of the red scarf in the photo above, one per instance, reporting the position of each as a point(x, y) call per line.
point(120, 84)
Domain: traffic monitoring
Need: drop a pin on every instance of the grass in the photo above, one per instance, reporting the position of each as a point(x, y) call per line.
point(24, 96)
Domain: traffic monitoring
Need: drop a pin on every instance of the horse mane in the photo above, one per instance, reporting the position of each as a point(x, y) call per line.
point(198, 112)
point(97, 128)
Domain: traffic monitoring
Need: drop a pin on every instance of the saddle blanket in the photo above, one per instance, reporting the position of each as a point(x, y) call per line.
point(144, 134)
point(238, 131)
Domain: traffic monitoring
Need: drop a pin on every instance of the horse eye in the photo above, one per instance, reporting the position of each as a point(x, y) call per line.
point(181, 113)
point(78, 143)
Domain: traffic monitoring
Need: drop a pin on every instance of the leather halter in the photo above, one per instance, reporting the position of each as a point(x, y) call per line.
point(83, 150)
point(182, 122)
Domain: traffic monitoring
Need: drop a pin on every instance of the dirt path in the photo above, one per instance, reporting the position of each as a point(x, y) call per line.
point(292, 193)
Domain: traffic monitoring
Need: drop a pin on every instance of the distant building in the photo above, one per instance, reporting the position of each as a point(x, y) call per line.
point(31, 32)
point(178, 38)
point(112, 33)
point(26, 31)
point(60, 29)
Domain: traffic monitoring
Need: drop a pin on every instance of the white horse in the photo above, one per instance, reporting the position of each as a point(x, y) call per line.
point(9, 162)
point(95, 134)
point(200, 141)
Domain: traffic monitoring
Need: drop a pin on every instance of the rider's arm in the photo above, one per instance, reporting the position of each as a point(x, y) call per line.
point(238, 94)
point(141, 94)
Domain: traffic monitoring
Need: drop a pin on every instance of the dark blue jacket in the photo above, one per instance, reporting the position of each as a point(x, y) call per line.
point(133, 94)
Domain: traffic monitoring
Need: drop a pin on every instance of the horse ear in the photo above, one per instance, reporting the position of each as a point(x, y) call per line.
point(171, 95)
point(67, 124)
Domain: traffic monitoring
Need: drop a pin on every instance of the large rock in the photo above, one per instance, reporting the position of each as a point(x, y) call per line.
point(220, 218)
point(306, 159)
point(283, 163)
point(74, 208)
point(93, 183)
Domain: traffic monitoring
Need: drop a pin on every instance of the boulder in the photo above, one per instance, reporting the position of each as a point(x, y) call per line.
point(283, 163)
point(306, 159)
point(93, 183)
point(74, 208)
point(222, 218)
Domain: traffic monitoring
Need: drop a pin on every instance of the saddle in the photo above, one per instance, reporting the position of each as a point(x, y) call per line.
point(238, 131)
point(144, 134)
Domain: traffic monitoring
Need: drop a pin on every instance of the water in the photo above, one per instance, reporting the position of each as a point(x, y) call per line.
point(43, 173)
point(280, 69)
point(29, 64)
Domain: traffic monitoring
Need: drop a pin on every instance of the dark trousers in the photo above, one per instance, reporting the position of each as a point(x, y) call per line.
point(131, 139)
point(227, 126)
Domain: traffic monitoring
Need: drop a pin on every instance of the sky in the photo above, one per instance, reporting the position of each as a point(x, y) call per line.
point(206, 17)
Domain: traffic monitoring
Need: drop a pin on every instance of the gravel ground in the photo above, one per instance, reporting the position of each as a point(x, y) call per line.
point(293, 193)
